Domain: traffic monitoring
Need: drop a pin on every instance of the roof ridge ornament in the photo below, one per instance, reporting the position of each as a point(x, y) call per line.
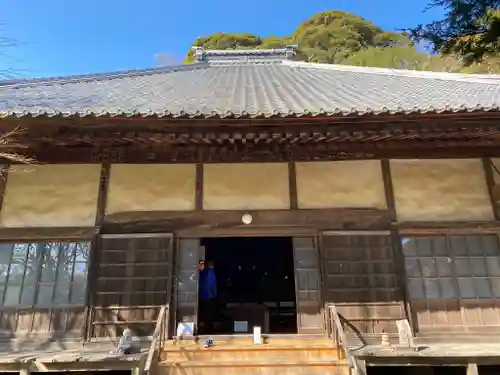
point(232, 56)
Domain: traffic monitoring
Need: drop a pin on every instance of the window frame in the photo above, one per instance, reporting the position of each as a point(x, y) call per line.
point(452, 257)
point(34, 303)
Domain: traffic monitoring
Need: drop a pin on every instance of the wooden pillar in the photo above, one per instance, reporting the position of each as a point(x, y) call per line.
point(361, 364)
point(93, 262)
point(199, 187)
point(489, 174)
point(388, 188)
point(292, 186)
point(103, 193)
point(399, 262)
point(472, 369)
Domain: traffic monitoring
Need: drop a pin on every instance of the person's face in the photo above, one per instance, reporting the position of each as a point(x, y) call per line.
point(202, 266)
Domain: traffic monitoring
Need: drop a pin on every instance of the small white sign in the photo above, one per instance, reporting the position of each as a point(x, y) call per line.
point(240, 326)
point(185, 329)
point(257, 335)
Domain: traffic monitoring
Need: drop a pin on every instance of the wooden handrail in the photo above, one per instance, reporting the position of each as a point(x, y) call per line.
point(334, 315)
point(162, 318)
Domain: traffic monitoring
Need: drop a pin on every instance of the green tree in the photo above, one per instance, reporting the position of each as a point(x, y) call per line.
point(470, 29)
point(333, 36)
point(336, 37)
point(397, 57)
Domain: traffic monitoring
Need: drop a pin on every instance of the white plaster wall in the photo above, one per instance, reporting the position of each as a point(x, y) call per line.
point(62, 195)
point(151, 187)
point(242, 186)
point(446, 189)
point(353, 184)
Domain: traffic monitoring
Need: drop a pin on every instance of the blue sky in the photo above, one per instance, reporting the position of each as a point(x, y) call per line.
point(61, 37)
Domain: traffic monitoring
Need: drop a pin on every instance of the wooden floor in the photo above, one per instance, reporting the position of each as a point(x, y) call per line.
point(311, 356)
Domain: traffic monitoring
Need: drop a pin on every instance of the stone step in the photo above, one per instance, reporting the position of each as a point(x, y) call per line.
point(254, 367)
point(248, 340)
point(224, 352)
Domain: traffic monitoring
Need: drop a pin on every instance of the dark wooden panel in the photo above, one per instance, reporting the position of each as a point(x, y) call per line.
point(360, 279)
point(133, 281)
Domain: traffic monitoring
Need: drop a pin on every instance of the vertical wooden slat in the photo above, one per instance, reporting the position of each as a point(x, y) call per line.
point(292, 186)
point(388, 188)
point(489, 174)
point(199, 187)
point(103, 192)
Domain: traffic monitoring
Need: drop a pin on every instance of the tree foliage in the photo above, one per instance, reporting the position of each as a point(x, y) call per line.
point(337, 37)
point(470, 29)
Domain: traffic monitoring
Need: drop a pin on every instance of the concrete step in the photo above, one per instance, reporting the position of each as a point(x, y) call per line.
point(254, 367)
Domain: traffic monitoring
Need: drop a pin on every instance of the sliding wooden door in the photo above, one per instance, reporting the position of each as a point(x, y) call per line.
point(133, 281)
point(308, 285)
point(187, 258)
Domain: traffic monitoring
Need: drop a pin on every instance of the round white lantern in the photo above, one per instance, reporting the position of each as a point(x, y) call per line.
point(246, 219)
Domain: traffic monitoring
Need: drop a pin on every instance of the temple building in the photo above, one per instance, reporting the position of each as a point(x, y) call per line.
point(336, 203)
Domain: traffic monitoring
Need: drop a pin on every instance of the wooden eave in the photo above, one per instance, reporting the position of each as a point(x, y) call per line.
point(410, 134)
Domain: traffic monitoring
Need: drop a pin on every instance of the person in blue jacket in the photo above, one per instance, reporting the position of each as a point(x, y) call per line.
point(208, 294)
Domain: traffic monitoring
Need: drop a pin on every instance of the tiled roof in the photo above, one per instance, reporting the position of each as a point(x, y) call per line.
point(250, 84)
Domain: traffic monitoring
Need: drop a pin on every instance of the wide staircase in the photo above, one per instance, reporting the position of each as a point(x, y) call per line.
point(238, 355)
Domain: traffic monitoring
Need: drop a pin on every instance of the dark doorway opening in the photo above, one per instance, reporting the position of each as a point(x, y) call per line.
point(255, 286)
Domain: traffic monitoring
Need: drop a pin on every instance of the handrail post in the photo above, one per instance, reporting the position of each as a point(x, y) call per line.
point(341, 340)
point(157, 338)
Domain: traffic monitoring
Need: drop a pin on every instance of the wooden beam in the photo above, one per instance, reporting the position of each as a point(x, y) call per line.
point(199, 187)
point(138, 122)
point(196, 221)
point(103, 192)
point(447, 227)
point(489, 174)
point(47, 233)
point(292, 186)
point(388, 187)
point(283, 153)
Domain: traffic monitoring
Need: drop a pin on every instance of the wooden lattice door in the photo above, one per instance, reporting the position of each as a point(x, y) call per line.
point(308, 285)
point(134, 273)
point(361, 280)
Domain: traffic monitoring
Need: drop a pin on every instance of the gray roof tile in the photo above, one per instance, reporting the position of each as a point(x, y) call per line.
point(243, 88)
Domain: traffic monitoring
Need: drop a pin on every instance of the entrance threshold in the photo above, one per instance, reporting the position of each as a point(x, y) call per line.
point(265, 337)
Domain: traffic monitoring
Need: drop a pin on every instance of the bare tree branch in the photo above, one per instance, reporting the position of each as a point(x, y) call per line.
point(8, 140)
